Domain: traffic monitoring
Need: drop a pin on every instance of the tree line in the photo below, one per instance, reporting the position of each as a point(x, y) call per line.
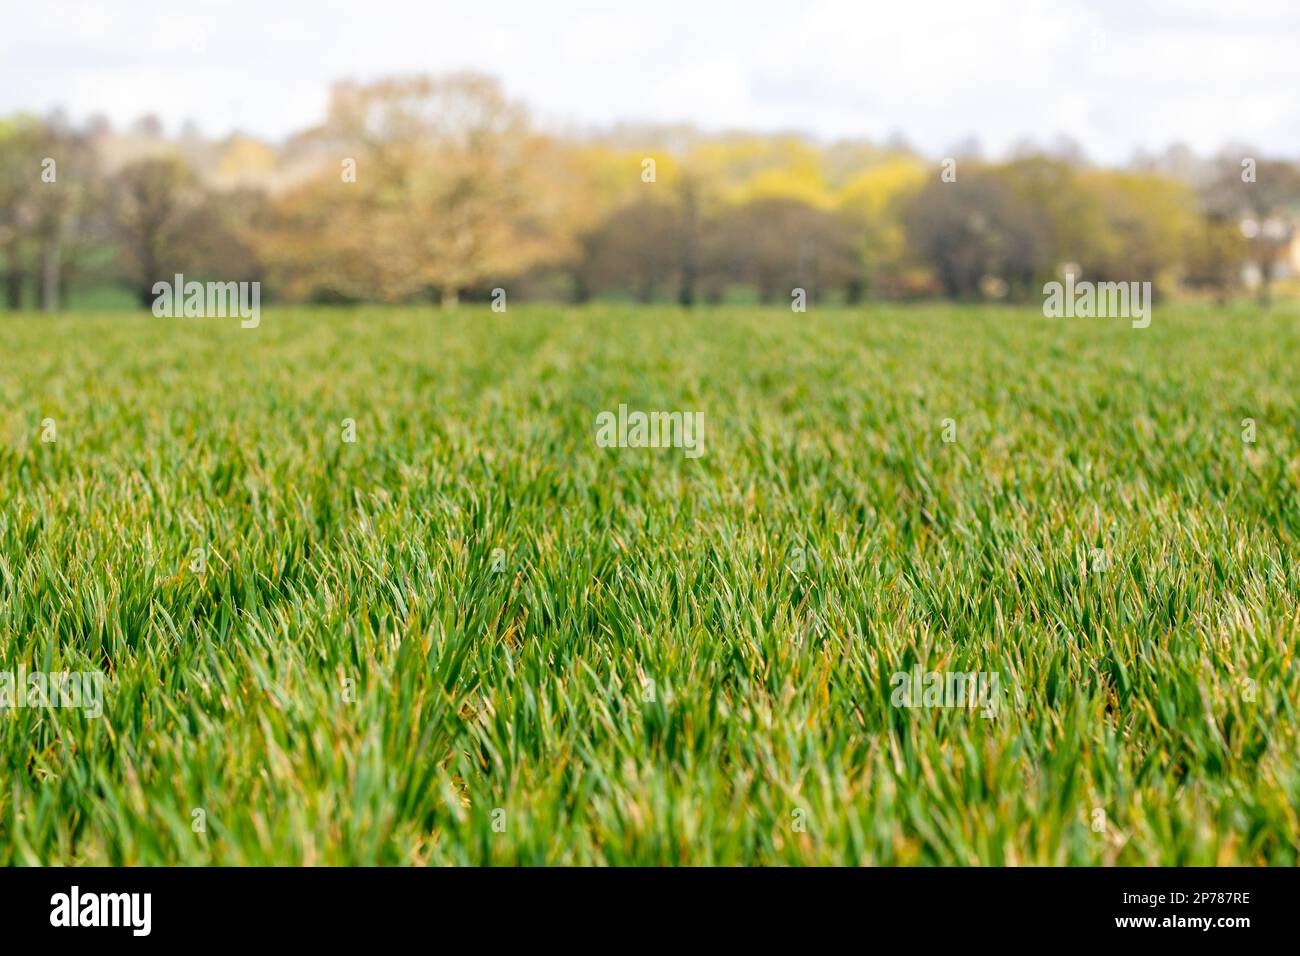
point(439, 188)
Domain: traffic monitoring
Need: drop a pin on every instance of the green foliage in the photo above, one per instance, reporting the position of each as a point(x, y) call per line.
point(632, 570)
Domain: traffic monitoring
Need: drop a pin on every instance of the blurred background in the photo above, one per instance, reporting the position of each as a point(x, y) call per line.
point(678, 152)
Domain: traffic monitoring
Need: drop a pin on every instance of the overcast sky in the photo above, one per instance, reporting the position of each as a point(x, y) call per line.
point(1113, 75)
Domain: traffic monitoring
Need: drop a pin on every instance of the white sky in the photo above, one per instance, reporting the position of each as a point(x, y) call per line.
point(1113, 75)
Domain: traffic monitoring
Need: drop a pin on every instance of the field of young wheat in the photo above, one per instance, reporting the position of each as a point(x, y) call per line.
point(926, 585)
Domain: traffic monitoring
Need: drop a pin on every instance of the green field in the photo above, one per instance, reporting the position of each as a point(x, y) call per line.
point(643, 674)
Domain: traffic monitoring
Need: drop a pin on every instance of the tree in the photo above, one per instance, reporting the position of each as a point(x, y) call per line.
point(152, 200)
point(1216, 251)
point(63, 207)
point(20, 178)
point(778, 245)
point(635, 248)
point(1148, 223)
point(445, 196)
point(873, 201)
point(974, 228)
point(1077, 226)
point(1263, 198)
point(49, 192)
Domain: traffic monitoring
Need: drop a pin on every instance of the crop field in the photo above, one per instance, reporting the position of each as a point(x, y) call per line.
point(364, 588)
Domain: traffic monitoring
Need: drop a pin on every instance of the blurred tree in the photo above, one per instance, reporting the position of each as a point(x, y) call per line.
point(690, 227)
point(49, 193)
point(20, 175)
point(976, 228)
point(635, 248)
point(447, 192)
point(799, 178)
point(1215, 254)
point(873, 203)
point(1076, 223)
point(1148, 223)
point(1263, 198)
point(778, 245)
point(423, 186)
point(152, 200)
point(64, 210)
point(597, 181)
point(221, 230)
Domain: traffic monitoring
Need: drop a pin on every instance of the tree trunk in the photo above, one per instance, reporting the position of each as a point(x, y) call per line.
point(51, 260)
point(14, 283)
point(450, 297)
point(686, 292)
point(581, 288)
point(690, 227)
point(1266, 283)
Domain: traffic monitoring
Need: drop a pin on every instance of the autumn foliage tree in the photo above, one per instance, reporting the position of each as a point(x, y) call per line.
point(434, 188)
point(436, 191)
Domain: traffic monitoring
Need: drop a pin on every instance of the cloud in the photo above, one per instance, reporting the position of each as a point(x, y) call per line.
point(1116, 76)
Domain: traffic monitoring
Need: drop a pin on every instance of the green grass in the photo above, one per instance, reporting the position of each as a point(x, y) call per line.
point(1128, 689)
